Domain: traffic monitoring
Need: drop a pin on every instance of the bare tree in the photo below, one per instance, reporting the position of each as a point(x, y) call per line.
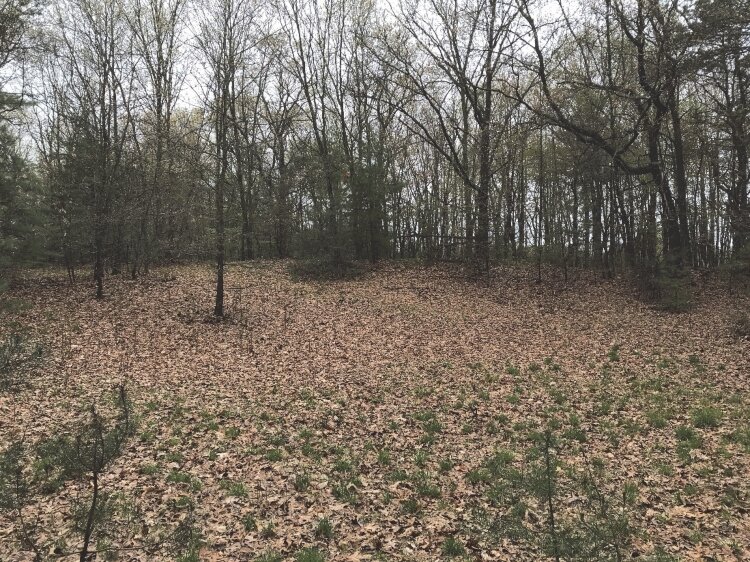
point(455, 52)
point(93, 46)
point(224, 40)
point(156, 26)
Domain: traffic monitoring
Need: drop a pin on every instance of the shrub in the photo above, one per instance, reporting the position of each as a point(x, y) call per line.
point(80, 455)
point(739, 324)
point(673, 289)
point(598, 527)
point(17, 357)
point(186, 540)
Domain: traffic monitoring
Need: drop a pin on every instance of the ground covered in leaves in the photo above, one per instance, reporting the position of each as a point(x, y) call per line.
point(405, 414)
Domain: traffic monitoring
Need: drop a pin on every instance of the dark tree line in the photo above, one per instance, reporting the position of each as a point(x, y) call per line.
point(611, 135)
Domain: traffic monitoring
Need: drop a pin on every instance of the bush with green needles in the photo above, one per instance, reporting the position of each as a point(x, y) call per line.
point(598, 528)
point(82, 455)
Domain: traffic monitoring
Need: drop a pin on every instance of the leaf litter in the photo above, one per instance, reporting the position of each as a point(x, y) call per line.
point(367, 402)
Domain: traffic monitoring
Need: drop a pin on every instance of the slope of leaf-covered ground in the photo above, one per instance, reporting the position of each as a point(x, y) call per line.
point(373, 404)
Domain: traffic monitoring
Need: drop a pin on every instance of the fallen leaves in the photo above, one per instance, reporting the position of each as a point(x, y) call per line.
point(318, 378)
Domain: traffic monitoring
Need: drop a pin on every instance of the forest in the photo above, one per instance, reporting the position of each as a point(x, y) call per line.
point(346, 280)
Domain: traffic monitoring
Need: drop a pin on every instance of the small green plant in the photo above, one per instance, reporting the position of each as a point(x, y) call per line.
point(398, 475)
point(604, 405)
point(268, 531)
point(433, 426)
point(310, 450)
point(428, 439)
point(425, 415)
point(657, 419)
point(453, 547)
point(688, 440)
point(707, 417)
point(664, 469)
point(741, 436)
point(423, 391)
point(411, 506)
point(343, 465)
point(558, 396)
point(446, 465)
point(178, 477)
point(630, 493)
point(309, 555)
point(232, 432)
point(384, 457)
point(174, 456)
point(184, 502)
point(234, 489)
point(301, 482)
point(249, 523)
point(424, 486)
point(324, 529)
point(492, 428)
point(346, 492)
point(614, 353)
point(18, 357)
point(491, 469)
point(277, 440)
point(685, 433)
point(149, 469)
point(695, 363)
point(274, 455)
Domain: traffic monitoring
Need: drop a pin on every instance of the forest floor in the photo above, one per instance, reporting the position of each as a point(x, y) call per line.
point(401, 415)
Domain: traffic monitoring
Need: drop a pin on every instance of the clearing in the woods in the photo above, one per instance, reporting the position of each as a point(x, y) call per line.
point(406, 414)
